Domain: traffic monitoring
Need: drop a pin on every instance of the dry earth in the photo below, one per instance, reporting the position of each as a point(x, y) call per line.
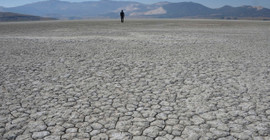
point(144, 79)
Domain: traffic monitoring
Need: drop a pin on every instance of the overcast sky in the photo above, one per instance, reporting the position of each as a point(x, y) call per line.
point(209, 3)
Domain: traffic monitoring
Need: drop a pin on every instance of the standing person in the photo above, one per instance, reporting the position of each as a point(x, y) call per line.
point(122, 15)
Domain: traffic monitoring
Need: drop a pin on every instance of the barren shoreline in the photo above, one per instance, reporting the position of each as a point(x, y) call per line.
point(144, 79)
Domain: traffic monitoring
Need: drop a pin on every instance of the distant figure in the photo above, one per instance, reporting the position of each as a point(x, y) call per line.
point(122, 15)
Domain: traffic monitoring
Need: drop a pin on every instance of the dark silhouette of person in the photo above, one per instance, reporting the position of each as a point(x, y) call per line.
point(122, 15)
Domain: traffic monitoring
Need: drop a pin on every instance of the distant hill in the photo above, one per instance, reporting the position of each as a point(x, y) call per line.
point(242, 12)
point(7, 16)
point(186, 9)
point(110, 9)
point(194, 10)
point(69, 10)
point(1, 9)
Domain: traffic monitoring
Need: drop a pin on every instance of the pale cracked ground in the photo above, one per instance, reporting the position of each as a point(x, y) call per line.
point(144, 79)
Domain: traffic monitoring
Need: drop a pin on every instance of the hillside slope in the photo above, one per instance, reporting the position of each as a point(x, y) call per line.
point(8, 16)
point(111, 9)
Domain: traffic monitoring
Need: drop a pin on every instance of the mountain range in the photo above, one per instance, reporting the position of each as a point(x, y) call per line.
point(8, 16)
point(110, 9)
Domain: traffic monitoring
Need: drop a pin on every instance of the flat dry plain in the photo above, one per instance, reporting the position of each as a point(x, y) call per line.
point(144, 79)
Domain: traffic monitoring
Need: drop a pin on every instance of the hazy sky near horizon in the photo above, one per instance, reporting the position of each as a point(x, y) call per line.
point(208, 3)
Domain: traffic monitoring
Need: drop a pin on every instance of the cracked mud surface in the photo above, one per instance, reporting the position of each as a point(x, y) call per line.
point(144, 79)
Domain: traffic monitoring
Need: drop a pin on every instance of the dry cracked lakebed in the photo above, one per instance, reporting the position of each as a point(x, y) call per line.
point(141, 80)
